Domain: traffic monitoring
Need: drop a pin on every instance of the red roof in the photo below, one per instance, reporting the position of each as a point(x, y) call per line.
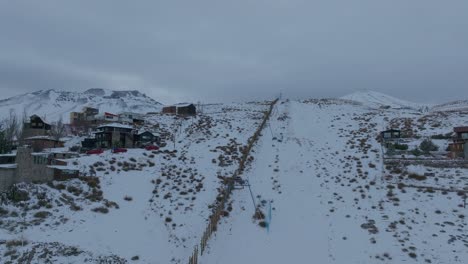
point(109, 114)
point(460, 129)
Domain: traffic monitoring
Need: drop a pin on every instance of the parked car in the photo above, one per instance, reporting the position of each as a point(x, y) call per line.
point(119, 150)
point(94, 151)
point(151, 147)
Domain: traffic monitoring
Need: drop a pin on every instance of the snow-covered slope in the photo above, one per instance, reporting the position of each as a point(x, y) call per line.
point(451, 106)
point(54, 104)
point(322, 183)
point(157, 201)
point(376, 100)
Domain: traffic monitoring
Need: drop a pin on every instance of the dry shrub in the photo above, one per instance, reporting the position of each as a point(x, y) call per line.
point(102, 210)
point(417, 177)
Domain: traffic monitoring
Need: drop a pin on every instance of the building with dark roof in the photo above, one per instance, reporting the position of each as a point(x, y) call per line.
point(459, 146)
point(145, 138)
point(114, 135)
point(180, 109)
point(35, 127)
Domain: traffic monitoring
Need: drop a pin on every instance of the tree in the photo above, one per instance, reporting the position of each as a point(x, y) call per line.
point(24, 120)
point(58, 129)
point(400, 146)
point(11, 130)
point(416, 151)
point(3, 143)
point(427, 145)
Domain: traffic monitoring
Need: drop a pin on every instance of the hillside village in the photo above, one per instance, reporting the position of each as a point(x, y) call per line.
point(43, 143)
point(334, 180)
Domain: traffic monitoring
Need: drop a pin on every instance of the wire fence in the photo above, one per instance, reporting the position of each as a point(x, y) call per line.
point(224, 195)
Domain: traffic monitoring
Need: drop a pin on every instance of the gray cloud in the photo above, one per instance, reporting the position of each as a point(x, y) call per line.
point(237, 50)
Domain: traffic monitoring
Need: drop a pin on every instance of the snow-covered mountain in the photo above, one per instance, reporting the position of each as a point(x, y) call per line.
point(375, 100)
point(54, 104)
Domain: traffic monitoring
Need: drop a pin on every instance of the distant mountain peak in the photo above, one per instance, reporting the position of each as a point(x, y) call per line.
point(95, 91)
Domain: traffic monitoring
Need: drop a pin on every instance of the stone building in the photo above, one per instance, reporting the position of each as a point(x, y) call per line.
point(32, 167)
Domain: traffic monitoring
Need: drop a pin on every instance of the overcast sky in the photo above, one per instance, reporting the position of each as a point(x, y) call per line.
point(237, 50)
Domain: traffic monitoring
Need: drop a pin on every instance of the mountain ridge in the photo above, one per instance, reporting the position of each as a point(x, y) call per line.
point(377, 99)
point(56, 104)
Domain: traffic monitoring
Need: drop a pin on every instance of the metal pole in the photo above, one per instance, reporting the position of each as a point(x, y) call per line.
point(271, 131)
point(253, 199)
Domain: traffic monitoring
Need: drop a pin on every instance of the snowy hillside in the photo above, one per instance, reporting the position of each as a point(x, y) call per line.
point(145, 204)
point(327, 190)
point(55, 104)
point(451, 106)
point(376, 100)
point(330, 197)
